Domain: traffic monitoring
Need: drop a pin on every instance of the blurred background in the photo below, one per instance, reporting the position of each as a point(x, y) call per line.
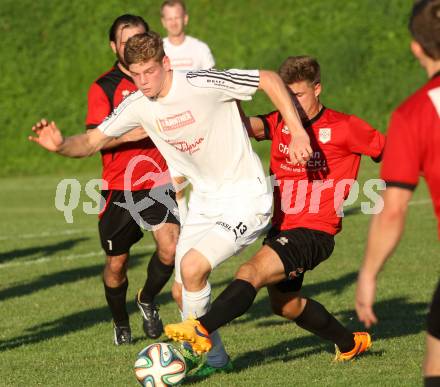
point(52, 51)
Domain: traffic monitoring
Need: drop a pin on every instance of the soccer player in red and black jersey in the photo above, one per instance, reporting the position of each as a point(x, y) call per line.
point(307, 214)
point(117, 227)
point(412, 149)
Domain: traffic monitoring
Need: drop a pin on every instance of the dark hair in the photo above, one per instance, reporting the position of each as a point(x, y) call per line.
point(424, 25)
point(172, 3)
point(125, 21)
point(141, 48)
point(300, 68)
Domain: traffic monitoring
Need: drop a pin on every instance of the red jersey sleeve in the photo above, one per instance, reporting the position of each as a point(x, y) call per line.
point(401, 161)
point(270, 121)
point(98, 106)
point(364, 139)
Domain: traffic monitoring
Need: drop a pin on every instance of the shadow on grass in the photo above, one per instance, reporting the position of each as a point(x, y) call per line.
point(59, 278)
point(57, 328)
point(398, 318)
point(337, 286)
point(45, 251)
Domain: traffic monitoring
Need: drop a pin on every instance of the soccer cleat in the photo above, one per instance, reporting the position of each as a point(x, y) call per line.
point(152, 324)
point(206, 370)
point(122, 334)
point(191, 331)
point(192, 360)
point(362, 342)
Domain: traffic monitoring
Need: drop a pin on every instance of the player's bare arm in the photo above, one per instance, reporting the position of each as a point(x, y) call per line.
point(48, 136)
point(133, 135)
point(385, 231)
point(300, 150)
point(254, 125)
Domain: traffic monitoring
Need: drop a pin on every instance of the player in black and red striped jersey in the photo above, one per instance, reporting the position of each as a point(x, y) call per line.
point(412, 150)
point(307, 214)
point(118, 229)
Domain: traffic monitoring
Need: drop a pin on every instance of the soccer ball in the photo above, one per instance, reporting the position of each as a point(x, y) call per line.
point(159, 365)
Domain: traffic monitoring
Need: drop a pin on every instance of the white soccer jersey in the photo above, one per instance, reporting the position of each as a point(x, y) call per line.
point(198, 129)
point(192, 54)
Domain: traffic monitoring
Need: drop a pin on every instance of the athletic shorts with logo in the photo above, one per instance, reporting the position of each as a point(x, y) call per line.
point(300, 249)
point(219, 229)
point(119, 229)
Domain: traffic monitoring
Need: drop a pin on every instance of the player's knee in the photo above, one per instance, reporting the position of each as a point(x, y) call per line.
point(194, 272)
point(166, 254)
point(289, 310)
point(117, 266)
point(249, 272)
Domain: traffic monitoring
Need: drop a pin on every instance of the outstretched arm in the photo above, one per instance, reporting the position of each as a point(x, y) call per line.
point(299, 149)
point(385, 231)
point(49, 137)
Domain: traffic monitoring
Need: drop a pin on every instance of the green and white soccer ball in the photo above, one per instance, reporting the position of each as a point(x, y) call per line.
point(159, 365)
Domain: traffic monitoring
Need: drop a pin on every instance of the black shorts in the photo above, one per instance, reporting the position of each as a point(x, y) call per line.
point(300, 249)
point(434, 314)
point(119, 229)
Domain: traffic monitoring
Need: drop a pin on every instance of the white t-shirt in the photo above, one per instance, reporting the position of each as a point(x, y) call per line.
point(198, 129)
point(192, 54)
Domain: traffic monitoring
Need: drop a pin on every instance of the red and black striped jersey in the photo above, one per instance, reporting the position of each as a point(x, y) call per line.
point(105, 94)
point(414, 141)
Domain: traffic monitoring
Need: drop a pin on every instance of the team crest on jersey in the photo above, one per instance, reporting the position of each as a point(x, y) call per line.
point(285, 130)
point(325, 135)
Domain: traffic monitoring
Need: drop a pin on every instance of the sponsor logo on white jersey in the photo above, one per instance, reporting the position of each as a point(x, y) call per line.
point(186, 63)
point(177, 121)
point(325, 135)
point(184, 146)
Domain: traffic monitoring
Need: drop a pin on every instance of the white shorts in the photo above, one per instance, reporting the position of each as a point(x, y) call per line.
point(221, 229)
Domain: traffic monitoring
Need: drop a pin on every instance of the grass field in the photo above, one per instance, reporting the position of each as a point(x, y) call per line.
point(55, 328)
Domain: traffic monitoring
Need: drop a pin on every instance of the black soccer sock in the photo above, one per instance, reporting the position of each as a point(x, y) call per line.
point(234, 301)
point(317, 320)
point(116, 300)
point(432, 381)
point(158, 275)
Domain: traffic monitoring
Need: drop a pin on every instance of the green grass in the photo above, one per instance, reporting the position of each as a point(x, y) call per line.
point(53, 50)
point(55, 328)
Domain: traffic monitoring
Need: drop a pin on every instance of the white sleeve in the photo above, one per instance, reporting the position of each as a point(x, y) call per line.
point(228, 84)
point(208, 61)
point(123, 119)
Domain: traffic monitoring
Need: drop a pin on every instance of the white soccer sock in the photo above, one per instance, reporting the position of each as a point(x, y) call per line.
point(196, 304)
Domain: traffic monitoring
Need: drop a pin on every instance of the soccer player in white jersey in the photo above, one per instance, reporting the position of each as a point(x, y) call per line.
point(184, 51)
point(194, 121)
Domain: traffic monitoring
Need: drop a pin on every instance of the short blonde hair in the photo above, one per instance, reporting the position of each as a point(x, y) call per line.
point(141, 48)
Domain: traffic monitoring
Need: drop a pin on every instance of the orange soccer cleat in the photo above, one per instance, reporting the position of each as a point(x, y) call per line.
point(192, 332)
point(362, 343)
